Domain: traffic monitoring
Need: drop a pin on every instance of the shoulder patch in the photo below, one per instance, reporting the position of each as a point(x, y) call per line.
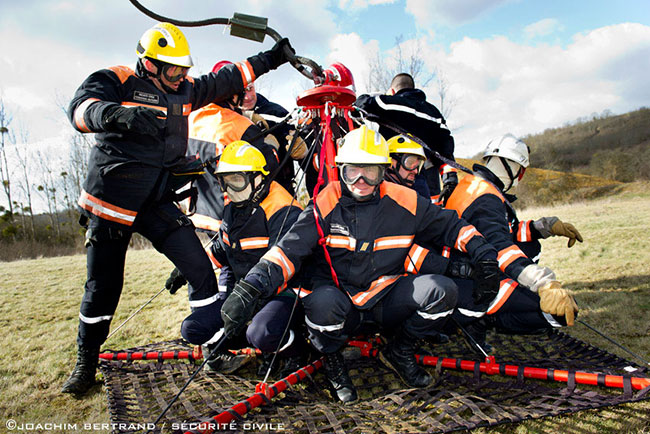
point(404, 196)
point(122, 72)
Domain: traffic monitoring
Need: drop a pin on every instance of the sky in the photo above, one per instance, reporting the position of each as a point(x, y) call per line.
point(518, 66)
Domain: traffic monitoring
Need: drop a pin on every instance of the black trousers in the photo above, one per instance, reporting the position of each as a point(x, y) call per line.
point(105, 261)
point(418, 305)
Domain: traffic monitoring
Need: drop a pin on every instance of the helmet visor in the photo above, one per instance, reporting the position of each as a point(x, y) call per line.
point(411, 162)
point(372, 175)
point(235, 181)
point(174, 73)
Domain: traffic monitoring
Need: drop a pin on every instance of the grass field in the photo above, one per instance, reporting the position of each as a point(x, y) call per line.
point(39, 301)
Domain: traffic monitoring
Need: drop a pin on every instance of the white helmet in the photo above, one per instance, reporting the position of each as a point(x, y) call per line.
point(510, 147)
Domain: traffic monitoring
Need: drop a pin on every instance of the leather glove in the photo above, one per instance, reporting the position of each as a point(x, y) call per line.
point(299, 150)
point(487, 278)
point(143, 120)
point(239, 307)
point(270, 140)
point(553, 226)
point(175, 281)
point(258, 120)
point(555, 300)
point(278, 55)
point(460, 269)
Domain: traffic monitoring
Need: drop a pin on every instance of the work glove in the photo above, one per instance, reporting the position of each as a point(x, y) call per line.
point(555, 300)
point(553, 226)
point(270, 140)
point(487, 278)
point(449, 184)
point(239, 307)
point(299, 150)
point(460, 269)
point(278, 55)
point(175, 281)
point(141, 120)
point(258, 120)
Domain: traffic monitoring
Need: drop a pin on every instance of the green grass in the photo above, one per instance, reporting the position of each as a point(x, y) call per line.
point(39, 302)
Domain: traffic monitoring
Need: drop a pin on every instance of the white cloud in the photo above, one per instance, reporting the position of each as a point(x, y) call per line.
point(356, 5)
point(354, 53)
point(543, 27)
point(436, 13)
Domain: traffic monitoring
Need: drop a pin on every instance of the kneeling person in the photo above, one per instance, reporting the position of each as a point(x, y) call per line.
point(256, 215)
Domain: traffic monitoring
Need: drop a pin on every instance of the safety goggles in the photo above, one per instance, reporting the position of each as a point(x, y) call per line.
point(174, 73)
point(237, 181)
point(372, 174)
point(411, 162)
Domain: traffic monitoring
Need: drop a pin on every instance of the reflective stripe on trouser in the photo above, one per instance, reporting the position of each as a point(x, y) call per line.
point(419, 304)
point(105, 276)
point(519, 314)
point(106, 268)
point(268, 326)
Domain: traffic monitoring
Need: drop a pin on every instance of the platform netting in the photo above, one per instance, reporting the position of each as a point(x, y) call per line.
point(138, 391)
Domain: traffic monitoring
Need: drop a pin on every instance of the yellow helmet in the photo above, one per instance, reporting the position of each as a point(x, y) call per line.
point(165, 42)
point(363, 146)
point(404, 145)
point(241, 156)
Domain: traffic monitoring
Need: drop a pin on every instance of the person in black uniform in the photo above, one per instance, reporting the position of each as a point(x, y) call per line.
point(256, 216)
point(358, 234)
point(407, 107)
point(140, 121)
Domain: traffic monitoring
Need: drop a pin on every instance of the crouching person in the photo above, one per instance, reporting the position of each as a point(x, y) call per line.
point(258, 212)
point(357, 236)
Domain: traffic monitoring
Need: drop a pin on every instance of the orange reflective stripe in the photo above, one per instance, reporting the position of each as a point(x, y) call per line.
point(341, 242)
point(415, 258)
point(246, 71)
point(446, 252)
point(106, 210)
point(375, 288)
point(468, 189)
point(328, 198)
point(137, 104)
point(205, 222)
point(301, 292)
point(524, 234)
point(277, 199)
point(446, 168)
point(122, 72)
point(393, 242)
point(79, 113)
point(506, 286)
point(278, 257)
point(212, 258)
point(254, 243)
point(187, 109)
point(465, 234)
point(404, 196)
point(224, 237)
point(508, 255)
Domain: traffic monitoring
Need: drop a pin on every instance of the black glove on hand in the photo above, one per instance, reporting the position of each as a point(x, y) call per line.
point(175, 281)
point(239, 307)
point(460, 269)
point(141, 120)
point(487, 277)
point(449, 183)
point(278, 55)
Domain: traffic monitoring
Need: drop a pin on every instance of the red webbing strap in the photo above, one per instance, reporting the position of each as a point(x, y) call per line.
point(323, 153)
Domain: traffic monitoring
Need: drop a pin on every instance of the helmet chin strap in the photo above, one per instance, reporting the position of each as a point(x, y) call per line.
point(503, 171)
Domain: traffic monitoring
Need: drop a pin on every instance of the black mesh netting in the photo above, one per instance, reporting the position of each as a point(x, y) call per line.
point(139, 391)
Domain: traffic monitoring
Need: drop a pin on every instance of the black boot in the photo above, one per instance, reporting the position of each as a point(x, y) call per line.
point(82, 377)
point(227, 362)
point(399, 355)
point(339, 379)
point(266, 364)
point(478, 331)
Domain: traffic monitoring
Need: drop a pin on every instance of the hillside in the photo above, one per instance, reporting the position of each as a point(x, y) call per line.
point(612, 147)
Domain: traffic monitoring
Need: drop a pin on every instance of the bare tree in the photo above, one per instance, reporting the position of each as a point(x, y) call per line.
point(25, 181)
point(5, 174)
point(447, 102)
point(48, 189)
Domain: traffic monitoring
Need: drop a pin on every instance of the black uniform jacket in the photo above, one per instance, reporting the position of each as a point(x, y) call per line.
point(368, 242)
point(127, 169)
point(247, 233)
